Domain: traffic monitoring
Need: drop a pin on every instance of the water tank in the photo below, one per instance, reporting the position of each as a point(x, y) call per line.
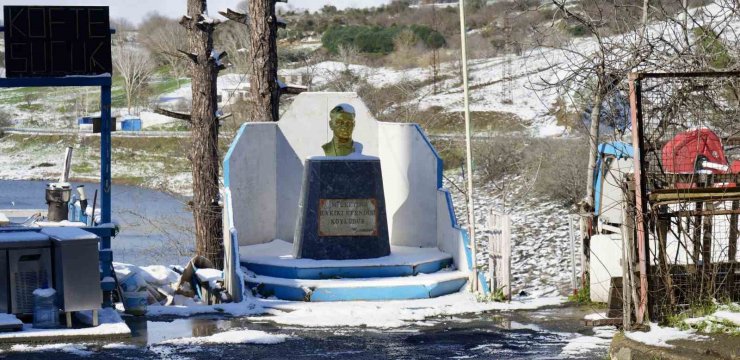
point(131, 124)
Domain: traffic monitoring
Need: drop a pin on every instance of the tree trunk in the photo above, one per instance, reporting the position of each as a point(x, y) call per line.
point(204, 136)
point(262, 61)
point(587, 221)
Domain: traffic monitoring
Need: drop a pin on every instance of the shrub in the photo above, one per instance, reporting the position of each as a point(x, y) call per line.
point(377, 39)
point(554, 168)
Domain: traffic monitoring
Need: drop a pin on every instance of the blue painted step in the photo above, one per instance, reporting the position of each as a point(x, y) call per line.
point(275, 260)
point(396, 288)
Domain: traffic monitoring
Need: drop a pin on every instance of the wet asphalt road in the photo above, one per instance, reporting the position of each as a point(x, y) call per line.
point(522, 335)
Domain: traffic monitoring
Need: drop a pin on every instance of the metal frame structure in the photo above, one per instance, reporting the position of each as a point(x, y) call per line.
point(104, 82)
point(640, 178)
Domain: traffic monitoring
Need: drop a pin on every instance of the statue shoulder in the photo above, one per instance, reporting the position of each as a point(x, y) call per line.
point(328, 149)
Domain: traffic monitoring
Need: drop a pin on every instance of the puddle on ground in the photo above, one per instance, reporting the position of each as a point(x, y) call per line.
point(149, 332)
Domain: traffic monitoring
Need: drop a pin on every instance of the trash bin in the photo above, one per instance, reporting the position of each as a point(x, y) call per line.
point(57, 197)
point(76, 268)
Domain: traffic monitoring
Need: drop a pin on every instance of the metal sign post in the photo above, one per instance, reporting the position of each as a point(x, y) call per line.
point(75, 51)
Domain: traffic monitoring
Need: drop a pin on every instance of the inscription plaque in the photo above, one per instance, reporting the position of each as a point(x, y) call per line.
point(348, 217)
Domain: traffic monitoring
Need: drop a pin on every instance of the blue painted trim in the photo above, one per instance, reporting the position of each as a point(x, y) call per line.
point(440, 164)
point(447, 287)
point(483, 282)
point(402, 292)
point(288, 272)
point(236, 266)
point(230, 152)
point(72, 80)
point(468, 250)
point(618, 149)
point(451, 209)
point(354, 293)
point(432, 266)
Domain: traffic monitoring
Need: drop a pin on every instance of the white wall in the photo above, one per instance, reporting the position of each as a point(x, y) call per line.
point(606, 262)
point(252, 182)
point(410, 179)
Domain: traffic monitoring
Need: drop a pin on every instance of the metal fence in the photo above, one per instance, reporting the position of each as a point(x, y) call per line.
point(686, 129)
point(499, 253)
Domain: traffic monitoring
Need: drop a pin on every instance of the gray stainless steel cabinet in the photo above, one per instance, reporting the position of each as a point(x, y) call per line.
point(76, 268)
point(25, 265)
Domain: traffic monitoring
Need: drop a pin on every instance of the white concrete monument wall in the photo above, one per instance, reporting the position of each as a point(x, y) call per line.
point(264, 171)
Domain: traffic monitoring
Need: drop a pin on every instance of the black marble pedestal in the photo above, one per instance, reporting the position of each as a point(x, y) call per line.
point(342, 214)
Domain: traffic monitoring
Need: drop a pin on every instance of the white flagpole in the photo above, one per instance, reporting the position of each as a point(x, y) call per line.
point(469, 152)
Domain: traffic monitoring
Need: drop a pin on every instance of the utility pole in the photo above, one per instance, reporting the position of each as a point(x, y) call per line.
point(507, 82)
point(435, 50)
point(468, 149)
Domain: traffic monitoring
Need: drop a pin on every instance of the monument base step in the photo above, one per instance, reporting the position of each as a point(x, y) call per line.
point(421, 286)
point(275, 259)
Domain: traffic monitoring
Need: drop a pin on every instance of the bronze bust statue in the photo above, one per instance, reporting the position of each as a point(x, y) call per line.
point(342, 123)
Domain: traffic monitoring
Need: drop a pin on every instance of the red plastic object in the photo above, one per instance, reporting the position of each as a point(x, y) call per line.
point(682, 152)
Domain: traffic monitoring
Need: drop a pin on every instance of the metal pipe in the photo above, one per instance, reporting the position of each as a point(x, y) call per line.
point(66, 166)
point(468, 149)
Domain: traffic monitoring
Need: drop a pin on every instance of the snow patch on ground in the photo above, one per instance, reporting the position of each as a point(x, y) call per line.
point(659, 336)
point(387, 314)
point(232, 337)
point(595, 316)
point(601, 339)
point(74, 349)
point(120, 346)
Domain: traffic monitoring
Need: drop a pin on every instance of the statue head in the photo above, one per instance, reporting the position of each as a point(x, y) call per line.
point(342, 121)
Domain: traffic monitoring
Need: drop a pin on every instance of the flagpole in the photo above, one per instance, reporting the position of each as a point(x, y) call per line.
point(468, 150)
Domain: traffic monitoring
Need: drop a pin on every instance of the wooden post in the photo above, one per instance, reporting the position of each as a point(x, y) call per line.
point(626, 265)
point(506, 261)
point(573, 281)
point(494, 228)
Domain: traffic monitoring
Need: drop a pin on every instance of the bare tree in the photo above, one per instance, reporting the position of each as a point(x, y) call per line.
point(232, 37)
point(164, 37)
point(135, 67)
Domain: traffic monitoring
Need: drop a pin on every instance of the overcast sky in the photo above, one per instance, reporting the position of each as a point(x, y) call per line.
point(135, 10)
